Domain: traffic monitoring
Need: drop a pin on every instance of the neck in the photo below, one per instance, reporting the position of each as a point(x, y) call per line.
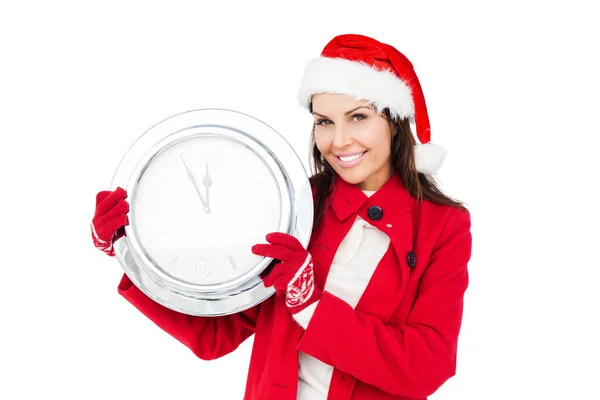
point(373, 184)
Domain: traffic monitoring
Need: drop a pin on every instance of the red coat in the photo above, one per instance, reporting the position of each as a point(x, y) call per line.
point(399, 342)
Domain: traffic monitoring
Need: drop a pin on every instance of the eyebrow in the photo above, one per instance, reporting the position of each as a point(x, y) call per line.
point(346, 113)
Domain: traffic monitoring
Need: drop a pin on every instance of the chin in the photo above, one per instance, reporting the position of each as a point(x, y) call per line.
point(353, 177)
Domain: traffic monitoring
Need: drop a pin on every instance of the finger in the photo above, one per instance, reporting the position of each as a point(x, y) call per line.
point(111, 227)
point(281, 276)
point(110, 201)
point(107, 200)
point(269, 268)
point(101, 196)
point(284, 239)
point(122, 207)
point(280, 283)
point(270, 278)
point(272, 251)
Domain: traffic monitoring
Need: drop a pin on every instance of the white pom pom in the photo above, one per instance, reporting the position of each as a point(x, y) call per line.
point(429, 157)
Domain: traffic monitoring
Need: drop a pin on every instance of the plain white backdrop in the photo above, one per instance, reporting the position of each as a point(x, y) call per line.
point(512, 92)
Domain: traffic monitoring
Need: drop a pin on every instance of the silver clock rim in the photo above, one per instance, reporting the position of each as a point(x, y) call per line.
point(297, 211)
point(172, 139)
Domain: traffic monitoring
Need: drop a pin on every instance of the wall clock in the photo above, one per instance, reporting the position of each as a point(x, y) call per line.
point(203, 187)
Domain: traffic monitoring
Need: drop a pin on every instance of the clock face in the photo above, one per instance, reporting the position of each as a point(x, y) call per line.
point(201, 204)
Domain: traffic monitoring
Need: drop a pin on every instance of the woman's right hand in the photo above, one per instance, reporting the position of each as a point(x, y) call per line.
point(110, 216)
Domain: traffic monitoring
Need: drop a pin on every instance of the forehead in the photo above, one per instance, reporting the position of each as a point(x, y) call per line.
point(327, 103)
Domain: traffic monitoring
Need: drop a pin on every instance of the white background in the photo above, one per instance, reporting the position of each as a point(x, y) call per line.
point(512, 91)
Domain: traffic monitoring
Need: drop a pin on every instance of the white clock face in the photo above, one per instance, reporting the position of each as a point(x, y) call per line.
point(201, 205)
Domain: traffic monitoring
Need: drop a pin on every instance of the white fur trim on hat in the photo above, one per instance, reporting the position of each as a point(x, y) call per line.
point(357, 80)
point(429, 157)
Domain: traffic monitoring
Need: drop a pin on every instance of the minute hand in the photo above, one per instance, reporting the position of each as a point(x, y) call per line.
point(191, 178)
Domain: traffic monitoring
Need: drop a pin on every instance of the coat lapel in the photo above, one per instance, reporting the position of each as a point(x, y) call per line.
point(388, 283)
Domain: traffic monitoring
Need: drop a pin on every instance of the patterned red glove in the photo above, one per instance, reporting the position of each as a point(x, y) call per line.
point(110, 216)
point(294, 275)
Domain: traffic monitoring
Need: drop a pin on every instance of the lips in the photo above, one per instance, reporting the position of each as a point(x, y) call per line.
point(349, 160)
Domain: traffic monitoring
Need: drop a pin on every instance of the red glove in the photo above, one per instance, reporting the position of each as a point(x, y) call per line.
point(109, 218)
point(294, 275)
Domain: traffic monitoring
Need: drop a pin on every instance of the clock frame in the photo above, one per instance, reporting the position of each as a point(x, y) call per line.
point(295, 203)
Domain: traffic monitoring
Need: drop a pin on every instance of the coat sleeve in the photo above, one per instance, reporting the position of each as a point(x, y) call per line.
point(411, 360)
point(207, 337)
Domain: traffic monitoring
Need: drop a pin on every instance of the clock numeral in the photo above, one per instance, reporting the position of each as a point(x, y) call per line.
point(268, 216)
point(202, 268)
point(154, 236)
point(258, 184)
point(251, 241)
point(239, 163)
point(159, 178)
point(175, 257)
point(233, 265)
point(204, 156)
point(149, 211)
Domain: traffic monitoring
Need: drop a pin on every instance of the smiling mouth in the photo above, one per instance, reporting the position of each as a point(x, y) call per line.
point(351, 158)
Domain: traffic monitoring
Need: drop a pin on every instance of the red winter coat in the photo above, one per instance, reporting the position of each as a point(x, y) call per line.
point(399, 342)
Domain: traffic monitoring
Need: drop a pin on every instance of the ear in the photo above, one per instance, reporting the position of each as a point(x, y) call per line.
point(393, 129)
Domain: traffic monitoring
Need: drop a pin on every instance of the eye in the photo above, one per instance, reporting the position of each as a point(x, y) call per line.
point(323, 121)
point(359, 117)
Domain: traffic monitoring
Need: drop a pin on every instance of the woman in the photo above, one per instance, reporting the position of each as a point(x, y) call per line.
point(372, 308)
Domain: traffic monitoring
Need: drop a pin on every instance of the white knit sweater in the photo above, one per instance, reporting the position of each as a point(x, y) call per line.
point(353, 265)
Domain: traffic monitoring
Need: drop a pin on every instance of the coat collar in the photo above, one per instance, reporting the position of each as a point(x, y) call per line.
point(395, 206)
point(349, 199)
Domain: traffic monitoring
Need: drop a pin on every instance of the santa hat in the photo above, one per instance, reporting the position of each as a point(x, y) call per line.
point(365, 69)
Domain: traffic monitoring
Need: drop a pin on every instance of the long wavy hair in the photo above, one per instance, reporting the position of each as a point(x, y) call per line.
point(420, 185)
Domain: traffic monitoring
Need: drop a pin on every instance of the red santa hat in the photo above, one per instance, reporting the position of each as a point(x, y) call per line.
point(365, 69)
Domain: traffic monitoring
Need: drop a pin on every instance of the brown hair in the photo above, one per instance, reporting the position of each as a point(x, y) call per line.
point(420, 185)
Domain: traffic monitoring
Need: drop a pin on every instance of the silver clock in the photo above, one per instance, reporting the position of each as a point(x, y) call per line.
point(204, 186)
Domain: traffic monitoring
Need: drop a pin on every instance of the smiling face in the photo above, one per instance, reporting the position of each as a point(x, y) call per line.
point(354, 139)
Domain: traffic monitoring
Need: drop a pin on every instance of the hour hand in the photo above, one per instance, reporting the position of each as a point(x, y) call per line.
point(207, 181)
point(191, 178)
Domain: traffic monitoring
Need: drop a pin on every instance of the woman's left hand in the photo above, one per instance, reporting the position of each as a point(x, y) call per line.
point(294, 275)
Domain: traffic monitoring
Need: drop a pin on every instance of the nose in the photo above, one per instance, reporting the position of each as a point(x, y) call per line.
point(341, 138)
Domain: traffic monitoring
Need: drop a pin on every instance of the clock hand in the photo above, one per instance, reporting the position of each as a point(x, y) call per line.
point(207, 182)
point(191, 178)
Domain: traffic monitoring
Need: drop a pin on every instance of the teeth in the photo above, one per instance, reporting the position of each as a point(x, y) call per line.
point(351, 158)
